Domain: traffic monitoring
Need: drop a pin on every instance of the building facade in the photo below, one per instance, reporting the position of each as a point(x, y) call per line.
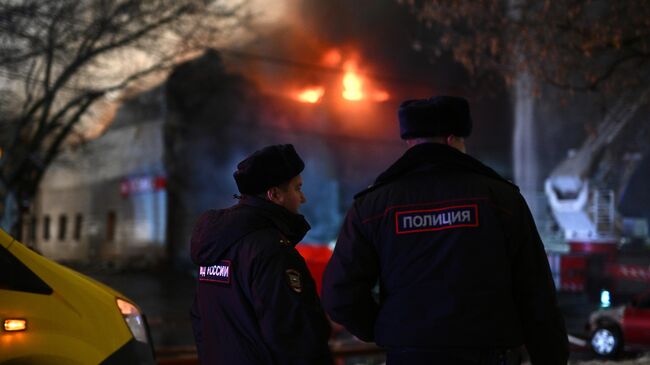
point(105, 201)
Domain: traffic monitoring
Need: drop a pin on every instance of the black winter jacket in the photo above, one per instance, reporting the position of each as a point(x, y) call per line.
point(256, 301)
point(458, 260)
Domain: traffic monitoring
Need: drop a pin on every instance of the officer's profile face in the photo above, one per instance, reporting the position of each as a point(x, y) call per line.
point(288, 195)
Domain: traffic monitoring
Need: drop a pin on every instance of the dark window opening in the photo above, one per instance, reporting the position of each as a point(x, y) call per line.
point(78, 221)
point(46, 227)
point(33, 229)
point(63, 225)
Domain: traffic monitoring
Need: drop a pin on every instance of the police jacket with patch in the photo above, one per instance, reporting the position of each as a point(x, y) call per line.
point(457, 257)
point(255, 302)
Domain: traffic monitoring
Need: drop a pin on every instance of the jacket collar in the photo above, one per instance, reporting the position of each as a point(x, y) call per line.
point(431, 155)
point(293, 226)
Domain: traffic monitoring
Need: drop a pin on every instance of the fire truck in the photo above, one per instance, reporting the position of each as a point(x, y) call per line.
point(607, 255)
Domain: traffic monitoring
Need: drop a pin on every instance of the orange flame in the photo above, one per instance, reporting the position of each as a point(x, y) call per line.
point(352, 83)
point(311, 95)
point(355, 86)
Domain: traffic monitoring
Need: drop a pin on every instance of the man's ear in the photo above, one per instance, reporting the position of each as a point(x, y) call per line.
point(270, 194)
point(450, 139)
point(273, 194)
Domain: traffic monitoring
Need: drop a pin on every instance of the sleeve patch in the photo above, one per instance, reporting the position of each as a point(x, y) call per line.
point(219, 273)
point(415, 221)
point(294, 280)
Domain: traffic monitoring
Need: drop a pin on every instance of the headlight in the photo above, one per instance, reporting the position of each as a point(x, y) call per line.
point(133, 319)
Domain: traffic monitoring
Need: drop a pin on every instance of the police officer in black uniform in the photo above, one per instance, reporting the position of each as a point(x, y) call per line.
point(256, 301)
point(462, 274)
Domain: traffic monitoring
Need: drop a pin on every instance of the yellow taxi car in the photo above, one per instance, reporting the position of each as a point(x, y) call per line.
point(50, 314)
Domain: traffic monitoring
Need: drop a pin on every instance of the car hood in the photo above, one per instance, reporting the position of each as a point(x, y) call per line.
point(93, 303)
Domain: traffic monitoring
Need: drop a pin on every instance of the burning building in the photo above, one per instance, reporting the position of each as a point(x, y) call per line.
point(169, 156)
point(214, 123)
point(331, 91)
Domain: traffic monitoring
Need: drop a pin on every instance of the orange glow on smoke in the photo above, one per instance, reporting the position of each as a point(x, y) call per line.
point(332, 58)
point(381, 96)
point(311, 95)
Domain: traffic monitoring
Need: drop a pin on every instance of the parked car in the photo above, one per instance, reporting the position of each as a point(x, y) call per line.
point(50, 314)
point(622, 327)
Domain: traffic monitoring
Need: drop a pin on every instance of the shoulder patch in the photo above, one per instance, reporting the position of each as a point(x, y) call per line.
point(425, 220)
point(294, 279)
point(219, 273)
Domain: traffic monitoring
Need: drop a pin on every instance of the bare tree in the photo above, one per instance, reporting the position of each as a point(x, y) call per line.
point(591, 45)
point(60, 60)
point(600, 48)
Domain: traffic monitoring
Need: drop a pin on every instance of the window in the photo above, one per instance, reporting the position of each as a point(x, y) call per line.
point(110, 226)
point(14, 275)
point(33, 229)
point(63, 225)
point(78, 221)
point(46, 227)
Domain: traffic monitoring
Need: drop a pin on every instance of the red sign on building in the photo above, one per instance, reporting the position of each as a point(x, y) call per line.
point(142, 184)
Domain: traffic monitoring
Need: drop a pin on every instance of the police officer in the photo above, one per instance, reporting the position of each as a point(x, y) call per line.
point(256, 301)
point(462, 274)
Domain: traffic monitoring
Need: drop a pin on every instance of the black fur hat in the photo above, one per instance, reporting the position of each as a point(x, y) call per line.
point(268, 167)
point(436, 116)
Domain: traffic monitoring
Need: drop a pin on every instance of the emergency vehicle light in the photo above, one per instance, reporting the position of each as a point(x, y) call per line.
point(605, 298)
point(133, 319)
point(15, 325)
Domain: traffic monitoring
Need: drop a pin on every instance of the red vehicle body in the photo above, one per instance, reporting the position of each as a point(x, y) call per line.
point(622, 327)
point(316, 256)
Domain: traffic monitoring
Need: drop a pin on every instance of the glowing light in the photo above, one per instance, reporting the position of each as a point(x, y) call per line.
point(13, 325)
point(355, 86)
point(332, 58)
point(134, 320)
point(311, 95)
point(352, 83)
point(605, 300)
point(126, 308)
